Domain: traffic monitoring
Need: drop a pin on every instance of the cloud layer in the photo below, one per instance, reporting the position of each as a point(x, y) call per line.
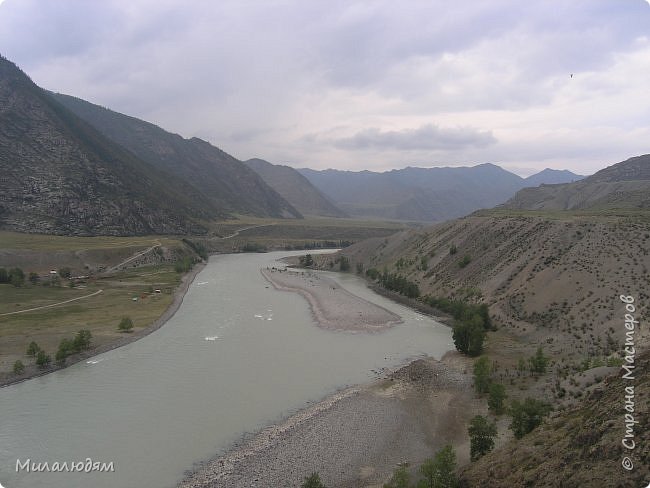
point(360, 85)
point(427, 137)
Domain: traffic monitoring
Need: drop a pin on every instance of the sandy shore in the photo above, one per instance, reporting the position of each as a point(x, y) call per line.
point(333, 307)
point(179, 294)
point(356, 437)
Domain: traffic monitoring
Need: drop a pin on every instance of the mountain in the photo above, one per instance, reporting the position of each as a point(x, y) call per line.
point(550, 176)
point(549, 283)
point(228, 183)
point(295, 188)
point(423, 194)
point(622, 185)
point(59, 175)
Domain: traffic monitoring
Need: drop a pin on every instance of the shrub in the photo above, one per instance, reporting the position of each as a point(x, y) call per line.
point(313, 481)
point(465, 261)
point(82, 340)
point(527, 415)
point(439, 471)
point(481, 434)
point(19, 367)
point(538, 362)
point(42, 359)
point(126, 325)
point(496, 398)
point(32, 349)
point(16, 277)
point(482, 375)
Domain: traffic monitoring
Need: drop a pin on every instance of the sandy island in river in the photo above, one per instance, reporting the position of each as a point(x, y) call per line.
point(333, 306)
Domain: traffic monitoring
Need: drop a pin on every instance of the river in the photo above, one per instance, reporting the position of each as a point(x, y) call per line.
point(237, 356)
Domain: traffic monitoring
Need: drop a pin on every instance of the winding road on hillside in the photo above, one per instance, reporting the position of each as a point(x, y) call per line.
point(242, 230)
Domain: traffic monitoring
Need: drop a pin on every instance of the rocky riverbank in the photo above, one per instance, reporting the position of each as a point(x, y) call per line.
point(356, 437)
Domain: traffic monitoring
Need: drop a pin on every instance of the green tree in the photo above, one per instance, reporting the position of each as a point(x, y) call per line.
point(184, 265)
point(538, 362)
point(34, 278)
point(309, 260)
point(496, 398)
point(82, 340)
point(63, 352)
point(4, 276)
point(126, 325)
point(482, 375)
point(42, 359)
point(313, 481)
point(65, 273)
point(439, 471)
point(17, 277)
point(373, 274)
point(32, 349)
point(527, 415)
point(481, 435)
point(400, 479)
point(469, 335)
point(453, 249)
point(344, 264)
point(19, 367)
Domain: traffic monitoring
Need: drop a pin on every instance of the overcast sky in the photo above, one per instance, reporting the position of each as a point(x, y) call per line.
point(358, 85)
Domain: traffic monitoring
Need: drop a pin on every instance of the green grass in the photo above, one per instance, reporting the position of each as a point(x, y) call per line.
point(42, 242)
point(100, 314)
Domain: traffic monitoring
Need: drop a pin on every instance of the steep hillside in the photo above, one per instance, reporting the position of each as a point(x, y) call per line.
point(548, 281)
point(623, 185)
point(579, 447)
point(58, 175)
point(295, 188)
point(228, 183)
point(423, 194)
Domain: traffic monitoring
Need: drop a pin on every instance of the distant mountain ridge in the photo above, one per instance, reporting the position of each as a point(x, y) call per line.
point(59, 175)
point(622, 185)
point(229, 184)
point(424, 194)
point(550, 176)
point(295, 188)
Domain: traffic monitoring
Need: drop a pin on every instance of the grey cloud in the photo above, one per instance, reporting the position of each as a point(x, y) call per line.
point(226, 70)
point(426, 137)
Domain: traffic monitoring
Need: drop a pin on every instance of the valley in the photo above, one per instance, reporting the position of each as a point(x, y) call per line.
point(419, 259)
